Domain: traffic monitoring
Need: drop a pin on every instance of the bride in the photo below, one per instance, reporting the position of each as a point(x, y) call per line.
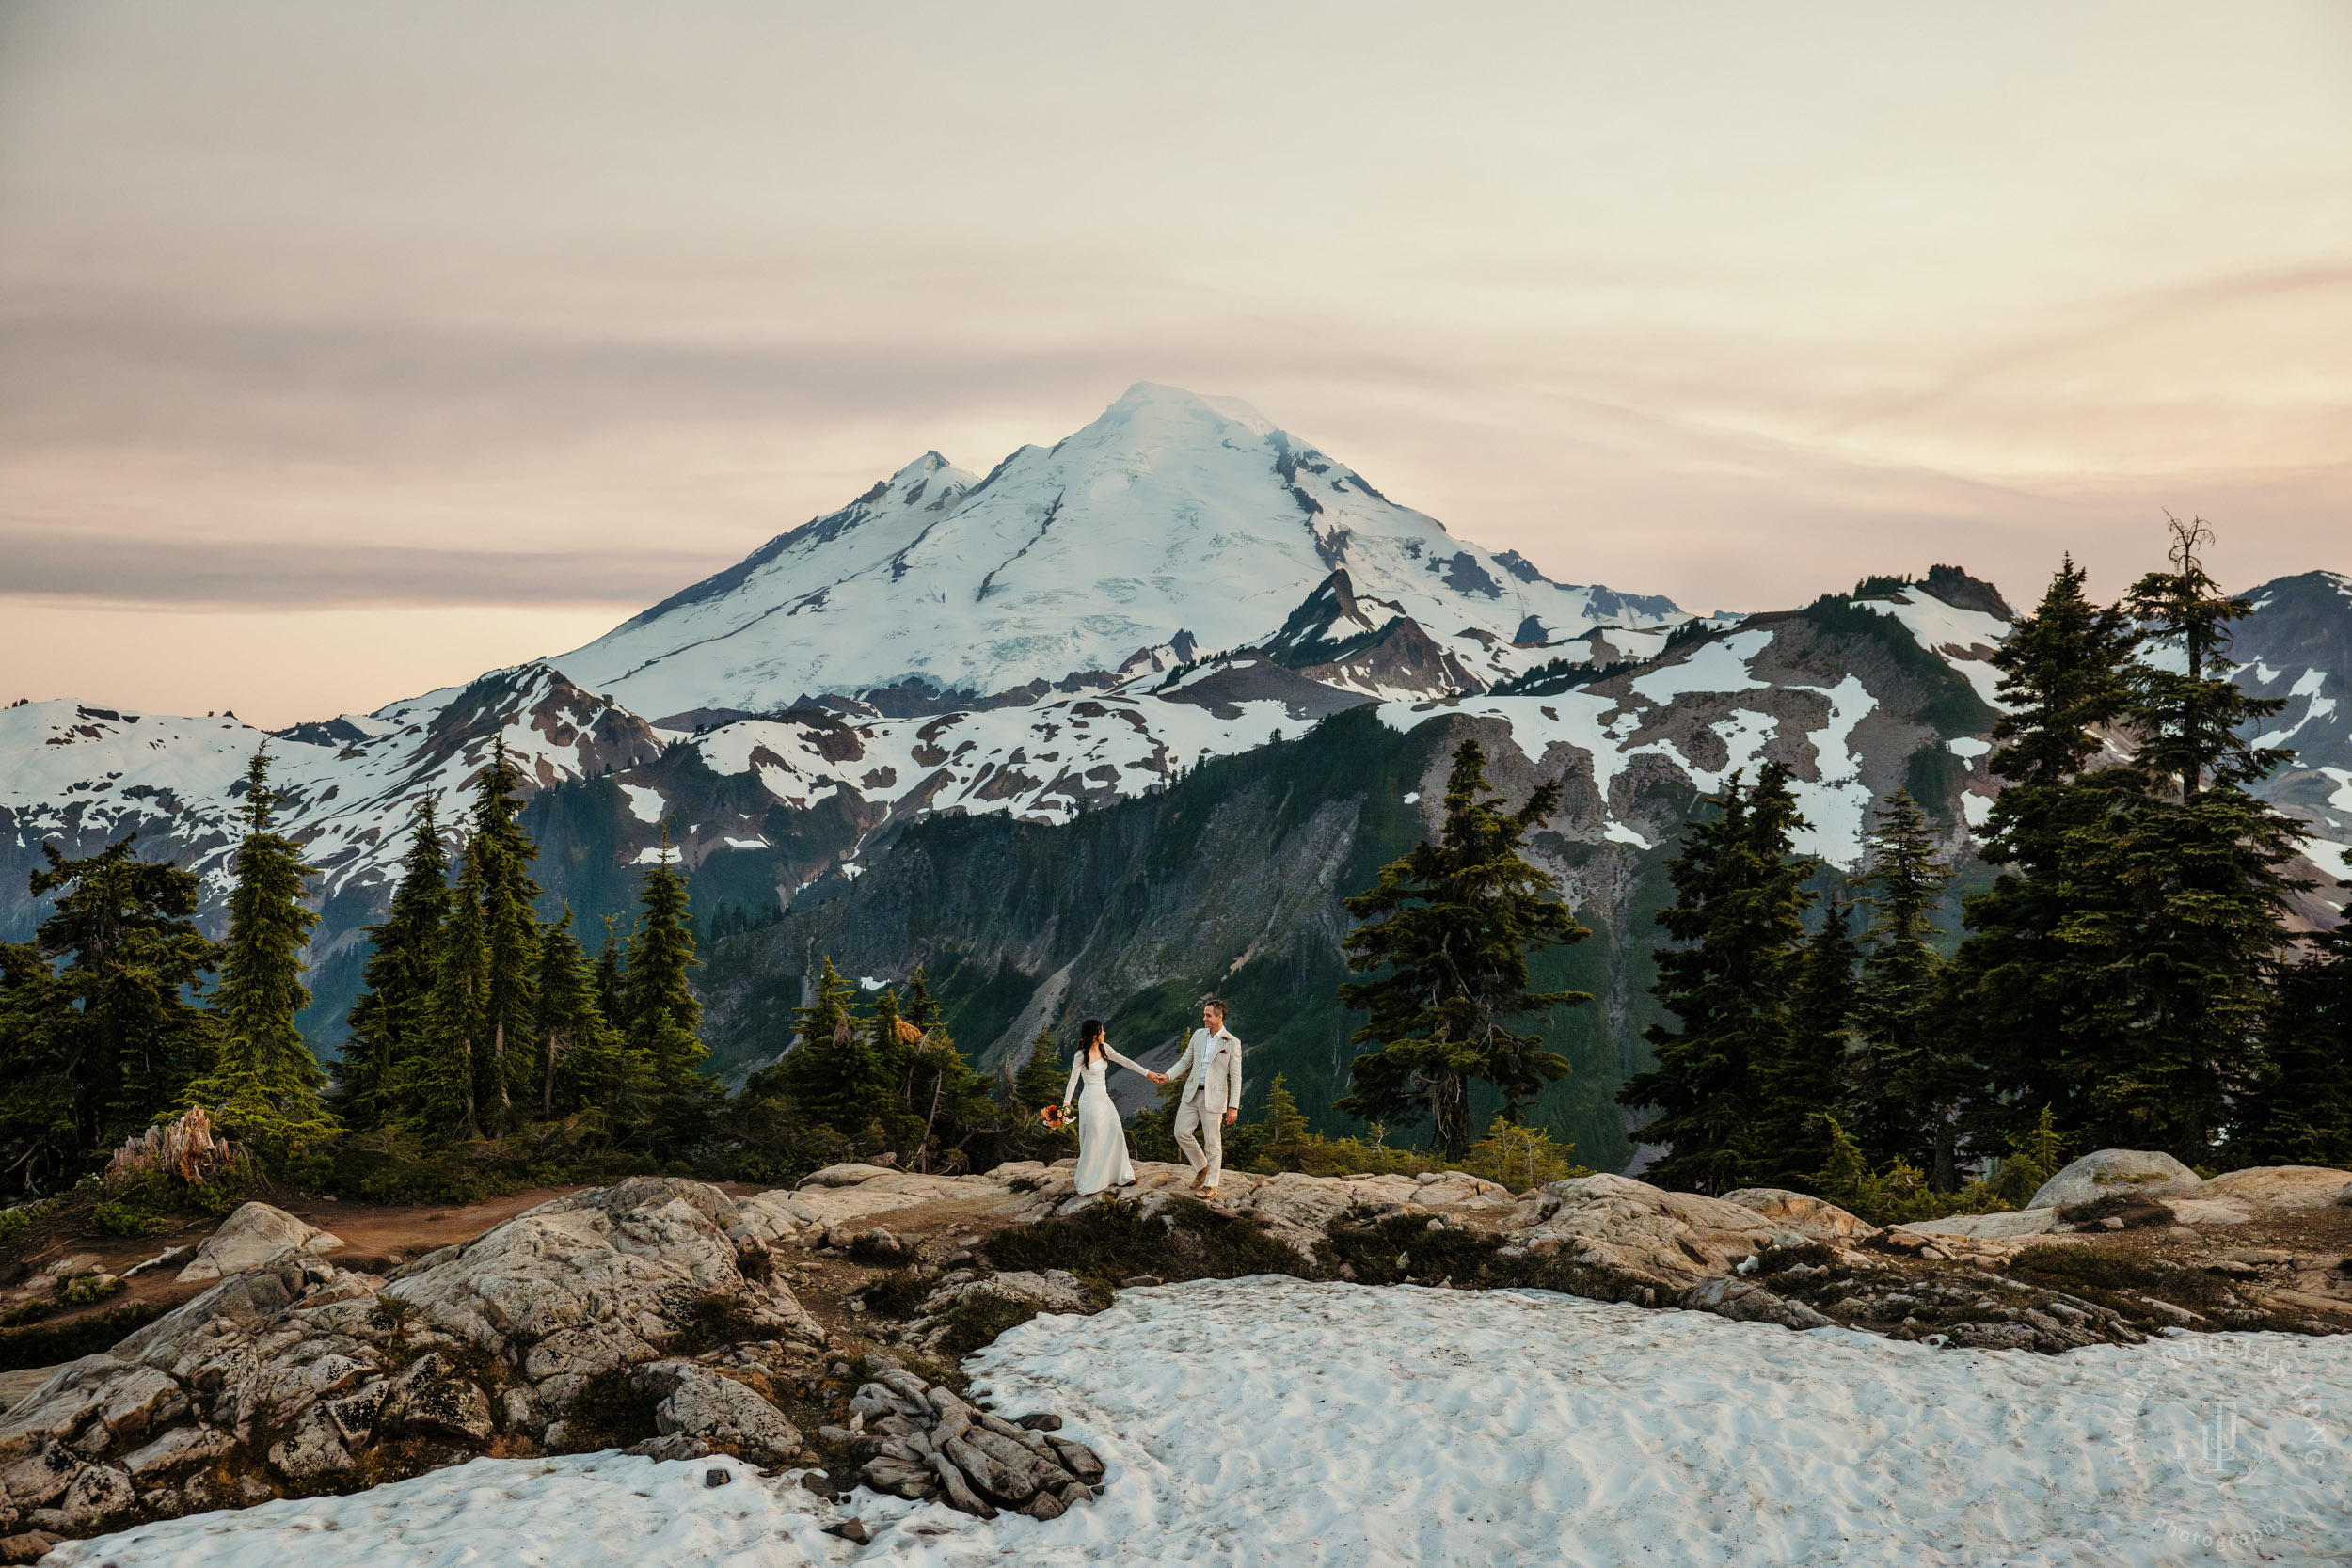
point(1102, 1138)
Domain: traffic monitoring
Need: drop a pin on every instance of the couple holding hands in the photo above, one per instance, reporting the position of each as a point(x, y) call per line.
point(1210, 1067)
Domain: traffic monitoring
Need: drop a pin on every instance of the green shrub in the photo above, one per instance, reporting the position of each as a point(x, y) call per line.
point(1778, 1260)
point(896, 1295)
point(609, 1411)
point(717, 1319)
point(127, 1219)
point(1114, 1240)
point(975, 1321)
point(16, 1221)
point(83, 1291)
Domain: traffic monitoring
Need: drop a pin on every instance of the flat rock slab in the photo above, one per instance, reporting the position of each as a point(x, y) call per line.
point(2279, 1186)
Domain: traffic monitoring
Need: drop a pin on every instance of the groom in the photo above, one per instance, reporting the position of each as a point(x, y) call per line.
point(1210, 1067)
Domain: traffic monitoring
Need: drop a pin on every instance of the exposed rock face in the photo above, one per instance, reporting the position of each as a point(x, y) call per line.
point(1816, 1217)
point(252, 1236)
point(1668, 1239)
point(293, 1372)
point(2279, 1186)
point(2022, 1222)
point(925, 1442)
point(2109, 1171)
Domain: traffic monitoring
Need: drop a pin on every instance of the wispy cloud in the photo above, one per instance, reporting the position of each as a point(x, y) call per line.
point(129, 569)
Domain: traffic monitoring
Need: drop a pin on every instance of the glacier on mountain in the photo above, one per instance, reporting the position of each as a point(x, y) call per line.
point(1172, 517)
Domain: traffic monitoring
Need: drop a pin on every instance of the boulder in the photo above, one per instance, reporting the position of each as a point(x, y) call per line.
point(1459, 1189)
point(1055, 1291)
point(2109, 1171)
point(255, 1234)
point(2278, 1186)
point(1815, 1218)
point(288, 1374)
point(724, 1412)
point(1658, 1238)
point(1745, 1301)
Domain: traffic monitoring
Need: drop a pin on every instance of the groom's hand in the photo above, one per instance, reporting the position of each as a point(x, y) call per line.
point(1231, 1115)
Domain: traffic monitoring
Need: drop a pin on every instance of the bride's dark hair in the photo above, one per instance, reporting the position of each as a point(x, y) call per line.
point(1089, 1033)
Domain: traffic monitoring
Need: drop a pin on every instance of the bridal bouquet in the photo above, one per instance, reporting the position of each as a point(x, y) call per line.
point(1054, 1117)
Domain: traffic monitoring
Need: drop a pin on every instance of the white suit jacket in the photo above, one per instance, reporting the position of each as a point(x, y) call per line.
point(1214, 1065)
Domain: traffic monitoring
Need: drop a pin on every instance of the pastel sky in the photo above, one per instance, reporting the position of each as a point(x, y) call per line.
point(349, 350)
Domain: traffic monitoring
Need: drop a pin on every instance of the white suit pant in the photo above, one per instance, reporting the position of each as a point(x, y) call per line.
point(1195, 1127)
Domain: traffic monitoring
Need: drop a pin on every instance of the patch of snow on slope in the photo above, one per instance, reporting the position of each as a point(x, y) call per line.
point(589, 1511)
point(1277, 1423)
point(643, 803)
point(1963, 639)
point(1967, 747)
point(1836, 805)
point(2316, 707)
point(1720, 666)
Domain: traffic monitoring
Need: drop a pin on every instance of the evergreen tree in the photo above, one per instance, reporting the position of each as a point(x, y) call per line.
point(831, 1072)
point(2178, 995)
point(937, 1084)
point(1809, 1075)
point(1906, 1087)
point(501, 854)
point(264, 1085)
point(1287, 1143)
point(1040, 1082)
point(613, 976)
point(96, 1033)
point(2016, 982)
point(386, 1021)
point(1451, 923)
point(664, 1016)
point(1737, 920)
point(584, 1064)
point(2302, 1114)
point(439, 1092)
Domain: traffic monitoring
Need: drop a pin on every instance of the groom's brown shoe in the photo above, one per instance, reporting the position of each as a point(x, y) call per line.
point(1197, 1177)
point(1208, 1192)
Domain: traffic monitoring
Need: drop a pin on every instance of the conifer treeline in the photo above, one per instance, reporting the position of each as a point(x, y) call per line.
point(477, 1014)
point(2127, 980)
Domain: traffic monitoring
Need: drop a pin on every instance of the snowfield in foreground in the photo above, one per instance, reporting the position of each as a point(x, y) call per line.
point(1279, 1422)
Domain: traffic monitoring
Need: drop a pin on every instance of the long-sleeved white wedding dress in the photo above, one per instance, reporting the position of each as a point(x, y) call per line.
point(1102, 1137)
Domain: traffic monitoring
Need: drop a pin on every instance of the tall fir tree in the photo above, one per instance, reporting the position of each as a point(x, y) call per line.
point(2016, 981)
point(1040, 1082)
point(612, 975)
point(1736, 923)
point(831, 1071)
point(2301, 1112)
point(438, 1094)
point(501, 854)
point(1449, 928)
point(97, 1032)
point(264, 1086)
point(584, 1064)
point(936, 1082)
point(1809, 1076)
point(1907, 1080)
point(664, 1019)
point(2200, 860)
point(387, 1023)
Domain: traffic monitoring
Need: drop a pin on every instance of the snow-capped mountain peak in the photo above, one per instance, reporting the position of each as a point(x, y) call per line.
point(1169, 513)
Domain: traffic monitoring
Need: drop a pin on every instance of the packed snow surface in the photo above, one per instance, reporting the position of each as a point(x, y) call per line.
point(1274, 1421)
